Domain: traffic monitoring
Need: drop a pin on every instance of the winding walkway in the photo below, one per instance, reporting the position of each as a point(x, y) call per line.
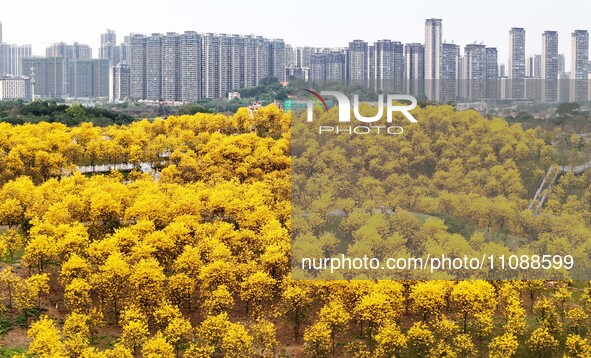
point(549, 180)
point(146, 167)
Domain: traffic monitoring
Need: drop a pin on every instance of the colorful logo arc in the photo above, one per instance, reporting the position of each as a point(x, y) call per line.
point(317, 98)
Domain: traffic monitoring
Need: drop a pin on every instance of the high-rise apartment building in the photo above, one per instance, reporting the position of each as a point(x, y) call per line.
point(226, 64)
point(46, 76)
point(414, 58)
point(579, 65)
point(211, 66)
point(119, 86)
point(304, 55)
point(15, 87)
point(317, 66)
point(549, 66)
point(11, 56)
point(109, 49)
point(89, 78)
point(328, 67)
point(474, 68)
point(190, 66)
point(336, 66)
point(137, 66)
point(250, 61)
point(450, 71)
point(170, 67)
point(68, 53)
point(433, 35)
point(516, 67)
point(492, 73)
point(533, 66)
point(358, 62)
point(124, 50)
point(563, 87)
point(561, 63)
point(237, 72)
point(263, 59)
point(502, 71)
point(75, 51)
point(154, 67)
point(387, 66)
point(290, 56)
point(278, 59)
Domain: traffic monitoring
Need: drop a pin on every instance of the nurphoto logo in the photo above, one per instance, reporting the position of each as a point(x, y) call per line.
point(393, 104)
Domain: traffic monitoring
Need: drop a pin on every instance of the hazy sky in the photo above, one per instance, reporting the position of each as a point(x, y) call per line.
point(299, 22)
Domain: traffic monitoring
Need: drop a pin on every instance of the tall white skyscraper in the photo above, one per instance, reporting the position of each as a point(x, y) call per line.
point(433, 35)
point(516, 68)
point(579, 63)
point(549, 71)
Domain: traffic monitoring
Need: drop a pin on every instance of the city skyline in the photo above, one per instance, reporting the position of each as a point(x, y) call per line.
point(97, 53)
point(185, 67)
point(191, 66)
point(301, 25)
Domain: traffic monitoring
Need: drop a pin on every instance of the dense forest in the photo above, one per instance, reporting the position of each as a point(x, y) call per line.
point(20, 112)
point(193, 259)
point(477, 175)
